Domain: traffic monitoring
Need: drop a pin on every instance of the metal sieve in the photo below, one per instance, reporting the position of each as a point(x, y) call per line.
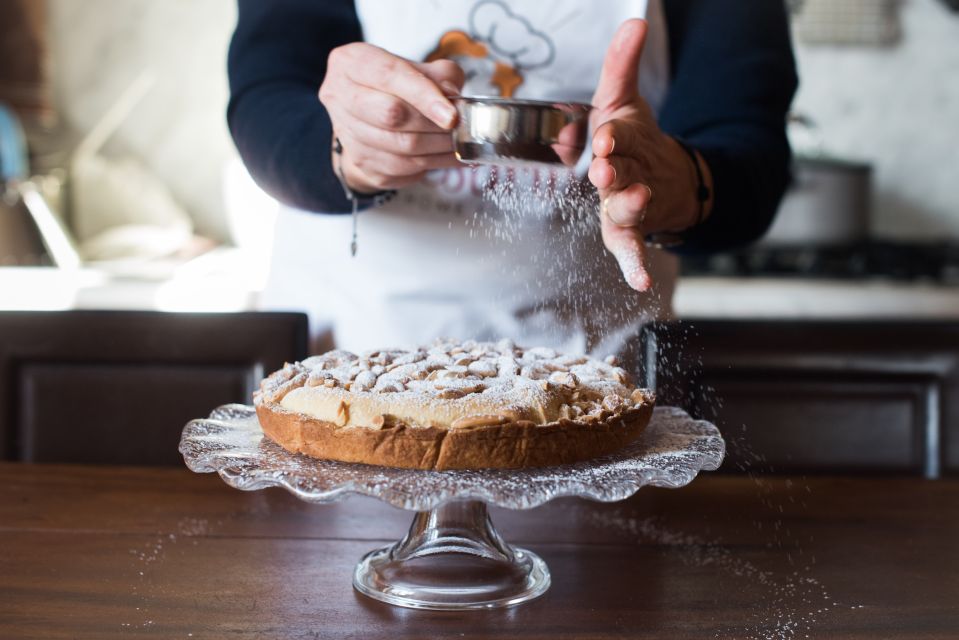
point(510, 132)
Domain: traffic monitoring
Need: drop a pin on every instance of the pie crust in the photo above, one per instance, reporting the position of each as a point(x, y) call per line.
point(452, 405)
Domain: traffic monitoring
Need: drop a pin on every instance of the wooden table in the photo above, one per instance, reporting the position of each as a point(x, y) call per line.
point(98, 552)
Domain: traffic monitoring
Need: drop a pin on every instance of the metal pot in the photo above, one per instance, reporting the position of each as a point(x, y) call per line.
point(520, 132)
point(826, 205)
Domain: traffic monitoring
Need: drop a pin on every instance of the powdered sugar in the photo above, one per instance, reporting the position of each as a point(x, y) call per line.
point(448, 381)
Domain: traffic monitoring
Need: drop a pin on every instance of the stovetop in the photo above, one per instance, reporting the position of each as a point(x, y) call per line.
point(936, 263)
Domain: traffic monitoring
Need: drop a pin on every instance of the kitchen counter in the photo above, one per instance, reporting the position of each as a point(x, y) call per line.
point(106, 552)
point(222, 280)
point(231, 280)
point(807, 298)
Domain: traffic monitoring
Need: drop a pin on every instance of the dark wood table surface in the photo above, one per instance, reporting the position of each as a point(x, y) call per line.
point(100, 552)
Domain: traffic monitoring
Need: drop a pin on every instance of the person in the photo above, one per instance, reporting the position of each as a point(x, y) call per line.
point(339, 100)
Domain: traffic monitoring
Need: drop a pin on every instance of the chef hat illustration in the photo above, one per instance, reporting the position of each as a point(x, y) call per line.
point(509, 35)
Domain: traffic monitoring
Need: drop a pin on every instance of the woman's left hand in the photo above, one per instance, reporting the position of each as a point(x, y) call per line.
point(647, 182)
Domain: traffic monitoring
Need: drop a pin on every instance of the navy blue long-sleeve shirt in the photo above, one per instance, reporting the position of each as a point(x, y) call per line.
point(733, 79)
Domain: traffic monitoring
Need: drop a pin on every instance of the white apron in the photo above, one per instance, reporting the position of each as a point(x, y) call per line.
point(438, 259)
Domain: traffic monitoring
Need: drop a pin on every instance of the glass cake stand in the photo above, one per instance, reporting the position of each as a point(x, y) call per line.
point(452, 558)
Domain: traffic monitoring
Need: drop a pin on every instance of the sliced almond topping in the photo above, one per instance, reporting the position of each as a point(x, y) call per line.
point(364, 381)
point(567, 379)
point(483, 368)
point(342, 414)
point(478, 421)
point(612, 402)
point(621, 376)
point(542, 352)
point(384, 385)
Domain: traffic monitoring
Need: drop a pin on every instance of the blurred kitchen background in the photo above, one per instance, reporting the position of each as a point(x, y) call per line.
point(122, 104)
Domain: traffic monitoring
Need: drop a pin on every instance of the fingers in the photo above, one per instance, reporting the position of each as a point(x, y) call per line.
point(401, 142)
point(619, 79)
point(626, 245)
point(620, 137)
point(378, 170)
point(383, 111)
point(447, 75)
point(627, 208)
point(615, 173)
point(374, 162)
point(392, 115)
point(375, 68)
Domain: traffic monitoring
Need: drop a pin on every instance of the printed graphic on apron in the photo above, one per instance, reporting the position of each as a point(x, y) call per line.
point(496, 51)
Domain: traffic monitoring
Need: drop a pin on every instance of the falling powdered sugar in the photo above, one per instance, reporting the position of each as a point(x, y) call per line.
point(792, 602)
point(553, 217)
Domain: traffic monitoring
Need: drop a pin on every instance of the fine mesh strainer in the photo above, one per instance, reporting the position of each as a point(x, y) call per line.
point(509, 132)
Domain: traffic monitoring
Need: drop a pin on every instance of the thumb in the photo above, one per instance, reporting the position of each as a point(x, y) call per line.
point(448, 75)
point(619, 79)
point(628, 247)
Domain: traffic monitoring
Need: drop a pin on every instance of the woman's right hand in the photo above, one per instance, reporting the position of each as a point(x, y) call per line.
point(392, 116)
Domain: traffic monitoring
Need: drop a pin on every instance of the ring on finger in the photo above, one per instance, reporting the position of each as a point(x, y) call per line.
point(649, 198)
point(604, 210)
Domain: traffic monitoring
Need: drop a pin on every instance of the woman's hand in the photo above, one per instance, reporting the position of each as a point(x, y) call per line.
point(647, 183)
point(392, 116)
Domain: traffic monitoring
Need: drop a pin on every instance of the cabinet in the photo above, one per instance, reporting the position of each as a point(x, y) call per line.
point(816, 396)
point(790, 396)
point(117, 387)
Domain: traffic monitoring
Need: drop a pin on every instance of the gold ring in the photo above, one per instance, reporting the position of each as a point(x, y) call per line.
point(649, 198)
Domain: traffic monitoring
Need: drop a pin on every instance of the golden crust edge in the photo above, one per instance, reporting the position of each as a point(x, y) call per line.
point(506, 446)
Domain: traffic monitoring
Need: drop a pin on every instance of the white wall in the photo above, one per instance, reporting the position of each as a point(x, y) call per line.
point(179, 130)
point(898, 108)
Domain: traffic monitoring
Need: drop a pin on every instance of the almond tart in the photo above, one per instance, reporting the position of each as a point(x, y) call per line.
point(453, 405)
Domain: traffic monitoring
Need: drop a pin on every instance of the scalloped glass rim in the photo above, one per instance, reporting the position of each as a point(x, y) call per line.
point(673, 449)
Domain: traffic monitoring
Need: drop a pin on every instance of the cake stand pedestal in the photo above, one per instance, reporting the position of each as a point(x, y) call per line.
point(452, 558)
